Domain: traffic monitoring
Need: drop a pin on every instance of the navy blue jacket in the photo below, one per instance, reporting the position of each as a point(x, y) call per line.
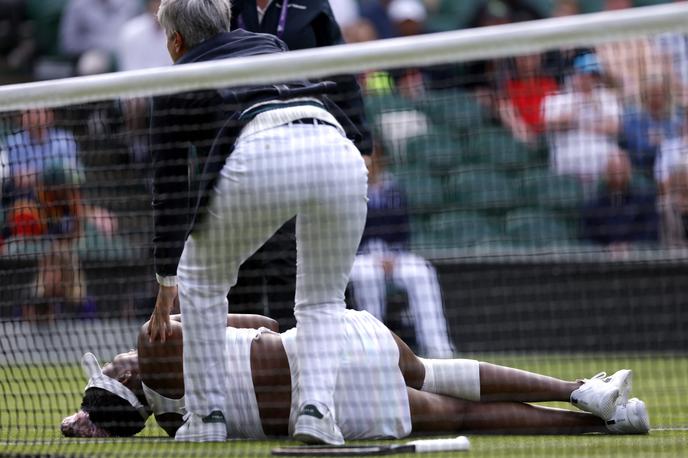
point(192, 134)
point(310, 24)
point(388, 217)
point(629, 218)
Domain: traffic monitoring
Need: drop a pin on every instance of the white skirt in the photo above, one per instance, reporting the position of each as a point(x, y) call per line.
point(371, 400)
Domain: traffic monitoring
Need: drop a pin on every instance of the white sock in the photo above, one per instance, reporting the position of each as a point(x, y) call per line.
point(459, 378)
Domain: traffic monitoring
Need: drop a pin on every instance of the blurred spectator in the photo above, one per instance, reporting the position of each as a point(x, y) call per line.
point(60, 282)
point(384, 261)
point(11, 18)
point(583, 123)
point(615, 5)
point(16, 43)
point(4, 176)
point(559, 62)
point(673, 47)
point(622, 215)
point(372, 82)
point(90, 31)
point(408, 17)
point(131, 55)
point(654, 121)
point(375, 11)
point(483, 77)
point(360, 31)
point(45, 17)
point(346, 12)
point(38, 144)
point(629, 62)
point(491, 12)
point(60, 285)
point(4, 169)
point(446, 15)
point(395, 127)
point(520, 102)
point(563, 8)
point(43, 202)
point(674, 206)
point(673, 152)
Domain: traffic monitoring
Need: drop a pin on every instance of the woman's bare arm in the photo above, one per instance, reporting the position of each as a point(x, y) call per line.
point(242, 320)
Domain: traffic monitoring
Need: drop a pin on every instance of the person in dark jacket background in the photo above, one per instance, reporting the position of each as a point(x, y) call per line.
point(385, 262)
point(289, 157)
point(266, 281)
point(622, 215)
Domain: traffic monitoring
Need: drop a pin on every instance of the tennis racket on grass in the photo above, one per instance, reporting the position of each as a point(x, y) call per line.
point(457, 444)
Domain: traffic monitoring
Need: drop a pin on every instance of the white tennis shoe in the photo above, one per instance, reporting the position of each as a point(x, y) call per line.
point(630, 418)
point(601, 395)
point(196, 428)
point(314, 427)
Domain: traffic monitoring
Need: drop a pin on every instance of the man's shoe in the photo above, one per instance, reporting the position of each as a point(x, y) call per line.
point(630, 418)
point(601, 395)
point(314, 427)
point(203, 429)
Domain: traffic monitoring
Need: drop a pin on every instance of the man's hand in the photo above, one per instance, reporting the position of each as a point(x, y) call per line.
point(160, 327)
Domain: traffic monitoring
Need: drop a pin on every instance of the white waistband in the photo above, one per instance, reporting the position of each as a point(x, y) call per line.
point(280, 116)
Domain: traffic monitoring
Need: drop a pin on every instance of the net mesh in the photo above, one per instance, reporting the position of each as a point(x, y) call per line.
point(526, 206)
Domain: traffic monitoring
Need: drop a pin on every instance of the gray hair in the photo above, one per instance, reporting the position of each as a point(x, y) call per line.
point(195, 20)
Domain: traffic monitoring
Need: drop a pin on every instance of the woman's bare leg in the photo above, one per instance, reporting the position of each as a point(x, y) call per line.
point(434, 413)
point(497, 383)
point(410, 365)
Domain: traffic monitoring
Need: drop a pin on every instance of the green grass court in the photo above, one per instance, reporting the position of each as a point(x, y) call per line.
point(34, 400)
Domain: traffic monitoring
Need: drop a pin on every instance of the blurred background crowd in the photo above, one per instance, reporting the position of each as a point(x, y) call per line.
point(578, 148)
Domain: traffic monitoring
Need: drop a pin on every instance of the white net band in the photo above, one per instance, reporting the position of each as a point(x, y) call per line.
point(459, 46)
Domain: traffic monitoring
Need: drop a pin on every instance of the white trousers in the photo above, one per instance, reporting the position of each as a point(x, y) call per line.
point(308, 171)
point(415, 275)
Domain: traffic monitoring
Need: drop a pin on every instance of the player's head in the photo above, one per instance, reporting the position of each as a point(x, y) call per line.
point(188, 23)
point(111, 413)
point(110, 407)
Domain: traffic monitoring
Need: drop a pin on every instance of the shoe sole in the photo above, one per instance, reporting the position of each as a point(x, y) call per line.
point(315, 438)
point(309, 433)
point(200, 438)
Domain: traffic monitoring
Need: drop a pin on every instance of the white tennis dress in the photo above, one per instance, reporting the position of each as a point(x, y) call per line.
point(371, 400)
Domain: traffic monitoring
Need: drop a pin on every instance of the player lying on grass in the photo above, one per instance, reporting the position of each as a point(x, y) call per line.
point(383, 389)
